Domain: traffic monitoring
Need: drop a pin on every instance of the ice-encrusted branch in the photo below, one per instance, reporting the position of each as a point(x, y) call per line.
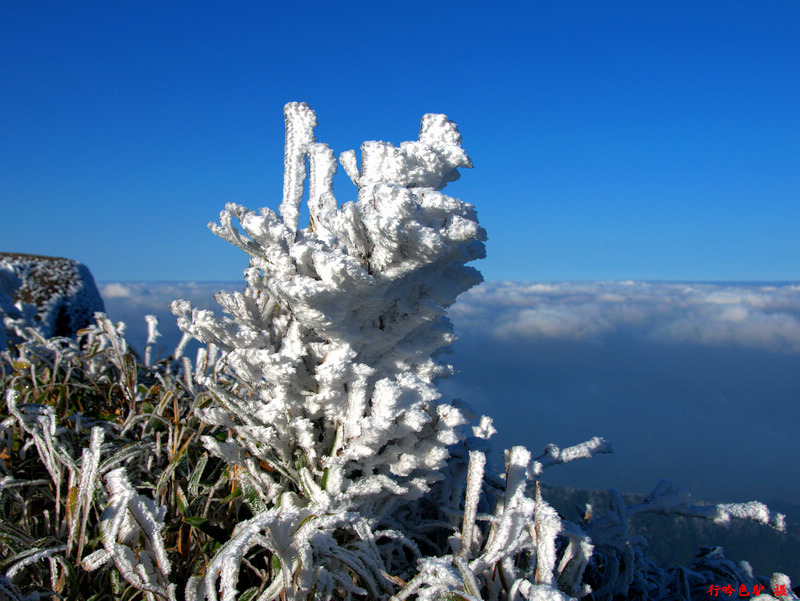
point(477, 462)
point(129, 517)
point(300, 123)
point(321, 201)
point(152, 337)
point(669, 498)
point(553, 455)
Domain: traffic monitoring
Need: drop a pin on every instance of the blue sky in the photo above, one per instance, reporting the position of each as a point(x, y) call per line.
point(611, 140)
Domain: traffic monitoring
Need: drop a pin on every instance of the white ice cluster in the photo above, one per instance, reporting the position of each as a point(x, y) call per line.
point(336, 333)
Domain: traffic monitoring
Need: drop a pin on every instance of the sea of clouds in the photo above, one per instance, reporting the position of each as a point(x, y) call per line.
point(754, 316)
point(695, 382)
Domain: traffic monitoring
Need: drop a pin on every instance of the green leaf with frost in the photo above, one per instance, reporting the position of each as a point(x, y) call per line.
point(205, 526)
point(194, 478)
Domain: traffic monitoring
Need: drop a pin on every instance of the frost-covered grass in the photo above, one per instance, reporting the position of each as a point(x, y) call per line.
point(81, 422)
point(306, 453)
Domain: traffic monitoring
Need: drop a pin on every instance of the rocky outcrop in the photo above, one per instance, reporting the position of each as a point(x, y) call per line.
point(57, 296)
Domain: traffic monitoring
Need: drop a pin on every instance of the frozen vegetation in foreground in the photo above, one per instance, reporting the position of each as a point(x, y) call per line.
point(306, 453)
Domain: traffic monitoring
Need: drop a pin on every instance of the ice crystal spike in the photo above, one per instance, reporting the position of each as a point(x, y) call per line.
point(477, 462)
point(300, 123)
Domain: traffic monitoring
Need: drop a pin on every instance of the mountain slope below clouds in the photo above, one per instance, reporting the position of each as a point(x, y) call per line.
point(672, 539)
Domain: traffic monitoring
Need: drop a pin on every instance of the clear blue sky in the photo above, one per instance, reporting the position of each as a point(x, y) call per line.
point(611, 140)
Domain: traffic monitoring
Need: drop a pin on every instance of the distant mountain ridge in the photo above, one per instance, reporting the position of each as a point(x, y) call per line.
point(673, 539)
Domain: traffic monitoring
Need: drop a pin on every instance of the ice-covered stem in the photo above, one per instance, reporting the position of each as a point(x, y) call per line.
point(553, 455)
point(152, 337)
point(477, 463)
point(300, 123)
point(669, 498)
point(131, 531)
point(321, 201)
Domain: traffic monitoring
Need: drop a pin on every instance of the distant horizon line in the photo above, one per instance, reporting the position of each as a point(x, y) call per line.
point(564, 281)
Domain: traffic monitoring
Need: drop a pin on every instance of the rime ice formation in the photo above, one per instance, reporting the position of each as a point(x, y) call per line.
point(340, 473)
point(53, 295)
point(336, 331)
point(336, 432)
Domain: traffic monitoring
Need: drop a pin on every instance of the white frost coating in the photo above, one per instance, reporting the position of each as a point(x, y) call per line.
point(95, 560)
point(546, 526)
point(31, 558)
point(516, 477)
point(753, 510)
point(86, 488)
point(152, 336)
point(513, 515)
point(542, 593)
point(553, 455)
point(128, 516)
point(485, 428)
point(350, 163)
point(300, 122)
point(321, 201)
point(335, 330)
point(477, 462)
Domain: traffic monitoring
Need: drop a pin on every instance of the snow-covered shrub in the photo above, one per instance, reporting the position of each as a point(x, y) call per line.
point(334, 335)
point(333, 341)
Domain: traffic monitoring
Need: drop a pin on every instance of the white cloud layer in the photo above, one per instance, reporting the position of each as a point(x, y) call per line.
point(755, 316)
point(116, 290)
point(129, 302)
point(694, 382)
point(158, 295)
point(763, 317)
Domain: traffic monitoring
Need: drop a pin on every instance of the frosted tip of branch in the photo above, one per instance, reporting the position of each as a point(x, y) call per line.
point(437, 130)
point(300, 113)
point(485, 429)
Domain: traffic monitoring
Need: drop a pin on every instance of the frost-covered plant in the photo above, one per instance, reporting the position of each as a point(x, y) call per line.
point(333, 340)
point(334, 335)
point(308, 454)
point(354, 467)
point(83, 423)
